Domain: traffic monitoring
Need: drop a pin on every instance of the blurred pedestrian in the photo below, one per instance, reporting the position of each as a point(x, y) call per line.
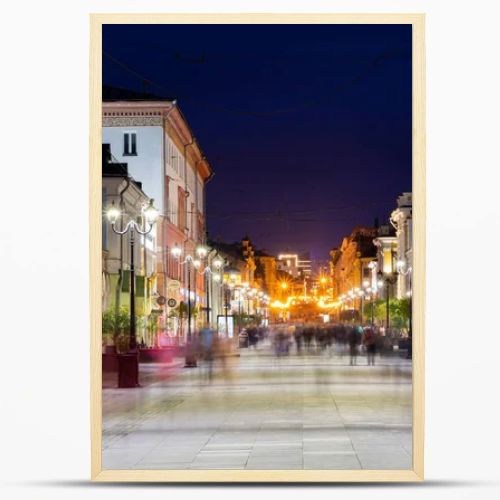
point(370, 343)
point(298, 339)
point(207, 340)
point(353, 339)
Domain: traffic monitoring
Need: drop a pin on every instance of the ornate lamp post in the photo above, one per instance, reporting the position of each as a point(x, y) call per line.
point(371, 292)
point(128, 375)
point(190, 262)
point(404, 270)
point(389, 277)
point(217, 264)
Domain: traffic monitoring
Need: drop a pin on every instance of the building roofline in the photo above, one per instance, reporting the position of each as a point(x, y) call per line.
point(152, 101)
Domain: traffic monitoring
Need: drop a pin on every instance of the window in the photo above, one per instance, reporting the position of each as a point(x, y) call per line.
point(129, 144)
point(192, 219)
point(181, 204)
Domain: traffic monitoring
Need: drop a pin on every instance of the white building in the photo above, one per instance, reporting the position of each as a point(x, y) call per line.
point(294, 264)
point(401, 219)
point(152, 136)
point(126, 194)
point(395, 249)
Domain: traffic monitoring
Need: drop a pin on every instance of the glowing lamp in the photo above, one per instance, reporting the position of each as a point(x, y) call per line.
point(201, 251)
point(113, 213)
point(150, 212)
point(176, 251)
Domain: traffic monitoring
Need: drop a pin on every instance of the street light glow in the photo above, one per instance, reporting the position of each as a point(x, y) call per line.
point(150, 212)
point(113, 213)
point(176, 251)
point(201, 251)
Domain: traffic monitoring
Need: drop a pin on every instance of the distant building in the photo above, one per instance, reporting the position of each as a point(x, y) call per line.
point(296, 265)
point(266, 272)
point(350, 263)
point(244, 268)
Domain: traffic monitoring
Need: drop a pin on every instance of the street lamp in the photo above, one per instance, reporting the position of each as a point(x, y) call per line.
point(129, 370)
point(404, 270)
point(361, 295)
point(239, 294)
point(388, 277)
point(189, 261)
point(371, 294)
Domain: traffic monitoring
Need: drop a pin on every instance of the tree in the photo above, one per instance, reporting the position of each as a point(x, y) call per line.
point(116, 328)
point(399, 312)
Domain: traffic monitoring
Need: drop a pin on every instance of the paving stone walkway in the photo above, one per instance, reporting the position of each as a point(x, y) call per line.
point(259, 412)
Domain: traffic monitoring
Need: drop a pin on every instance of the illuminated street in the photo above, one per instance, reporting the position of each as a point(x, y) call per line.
point(263, 412)
point(253, 245)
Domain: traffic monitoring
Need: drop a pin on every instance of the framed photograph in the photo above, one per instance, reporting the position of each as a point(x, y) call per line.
point(257, 247)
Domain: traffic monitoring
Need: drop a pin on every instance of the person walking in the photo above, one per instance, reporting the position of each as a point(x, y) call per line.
point(353, 341)
point(370, 343)
point(207, 340)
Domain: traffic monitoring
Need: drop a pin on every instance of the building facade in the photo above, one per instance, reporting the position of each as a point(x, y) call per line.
point(296, 265)
point(127, 194)
point(350, 263)
point(401, 219)
point(153, 137)
point(387, 251)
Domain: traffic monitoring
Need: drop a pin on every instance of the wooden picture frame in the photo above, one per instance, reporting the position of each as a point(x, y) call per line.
point(418, 64)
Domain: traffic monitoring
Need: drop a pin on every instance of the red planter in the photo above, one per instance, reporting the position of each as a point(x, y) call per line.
point(128, 370)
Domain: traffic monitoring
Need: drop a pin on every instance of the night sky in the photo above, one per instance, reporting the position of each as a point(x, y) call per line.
point(307, 127)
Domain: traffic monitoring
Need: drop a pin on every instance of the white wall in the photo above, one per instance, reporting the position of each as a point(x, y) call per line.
point(147, 166)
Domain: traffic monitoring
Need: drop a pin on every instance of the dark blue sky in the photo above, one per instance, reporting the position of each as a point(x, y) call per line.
point(307, 127)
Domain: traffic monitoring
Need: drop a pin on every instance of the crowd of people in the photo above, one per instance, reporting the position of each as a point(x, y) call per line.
point(332, 338)
point(207, 348)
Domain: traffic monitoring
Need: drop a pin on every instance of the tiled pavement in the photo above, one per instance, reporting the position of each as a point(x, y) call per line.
point(312, 412)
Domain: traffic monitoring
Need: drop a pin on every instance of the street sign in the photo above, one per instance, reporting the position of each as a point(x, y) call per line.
point(161, 300)
point(172, 302)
